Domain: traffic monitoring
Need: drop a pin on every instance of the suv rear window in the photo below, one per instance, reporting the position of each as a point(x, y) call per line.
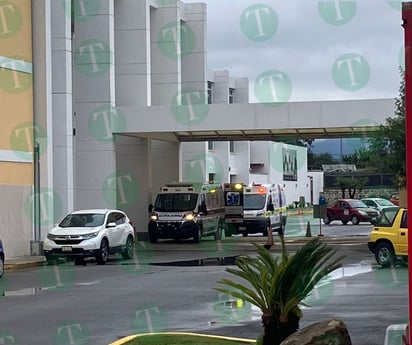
point(386, 217)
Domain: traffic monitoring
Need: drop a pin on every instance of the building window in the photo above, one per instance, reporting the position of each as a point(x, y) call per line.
point(210, 145)
point(231, 95)
point(209, 92)
point(231, 146)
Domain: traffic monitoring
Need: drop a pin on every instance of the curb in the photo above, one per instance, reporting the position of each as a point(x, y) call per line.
point(40, 261)
point(8, 267)
point(131, 337)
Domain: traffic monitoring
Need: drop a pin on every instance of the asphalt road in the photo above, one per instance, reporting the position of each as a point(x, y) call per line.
point(169, 286)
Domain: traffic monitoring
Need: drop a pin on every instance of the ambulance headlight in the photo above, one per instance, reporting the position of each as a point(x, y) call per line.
point(189, 217)
point(259, 213)
point(154, 217)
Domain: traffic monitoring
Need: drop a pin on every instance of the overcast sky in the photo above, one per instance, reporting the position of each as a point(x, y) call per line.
point(317, 49)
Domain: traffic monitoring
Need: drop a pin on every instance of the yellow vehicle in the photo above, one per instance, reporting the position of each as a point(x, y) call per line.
point(389, 236)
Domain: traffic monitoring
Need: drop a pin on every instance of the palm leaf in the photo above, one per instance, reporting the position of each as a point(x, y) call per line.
point(279, 286)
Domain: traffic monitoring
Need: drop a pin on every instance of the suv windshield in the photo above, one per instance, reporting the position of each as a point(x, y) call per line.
point(82, 220)
point(254, 201)
point(170, 202)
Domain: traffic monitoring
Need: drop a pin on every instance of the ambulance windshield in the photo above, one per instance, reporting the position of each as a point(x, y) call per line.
point(254, 201)
point(175, 202)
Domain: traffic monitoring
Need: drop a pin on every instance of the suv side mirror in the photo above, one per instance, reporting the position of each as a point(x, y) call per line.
point(150, 208)
point(111, 225)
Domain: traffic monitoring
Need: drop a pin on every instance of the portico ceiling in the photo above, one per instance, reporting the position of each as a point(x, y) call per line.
point(254, 121)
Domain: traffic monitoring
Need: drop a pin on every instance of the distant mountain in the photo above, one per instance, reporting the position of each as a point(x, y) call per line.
point(338, 147)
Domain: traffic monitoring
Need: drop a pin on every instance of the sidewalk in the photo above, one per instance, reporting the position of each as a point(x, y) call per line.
point(16, 263)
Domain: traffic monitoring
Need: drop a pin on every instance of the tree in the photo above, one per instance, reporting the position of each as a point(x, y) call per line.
point(352, 184)
point(278, 286)
point(344, 183)
point(360, 158)
point(316, 160)
point(388, 145)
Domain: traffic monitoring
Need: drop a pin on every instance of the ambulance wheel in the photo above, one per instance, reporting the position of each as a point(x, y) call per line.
point(265, 231)
point(229, 230)
point(221, 229)
point(244, 233)
point(152, 237)
point(198, 236)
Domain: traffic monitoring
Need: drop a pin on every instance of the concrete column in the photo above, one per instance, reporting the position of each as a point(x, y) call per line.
point(62, 113)
point(165, 60)
point(97, 181)
point(43, 107)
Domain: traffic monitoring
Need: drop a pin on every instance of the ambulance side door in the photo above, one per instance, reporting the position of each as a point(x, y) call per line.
point(272, 213)
point(205, 218)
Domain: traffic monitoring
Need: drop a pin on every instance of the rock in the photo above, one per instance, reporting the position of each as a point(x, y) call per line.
point(331, 332)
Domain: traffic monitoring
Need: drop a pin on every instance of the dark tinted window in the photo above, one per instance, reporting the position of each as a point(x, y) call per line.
point(404, 221)
point(169, 202)
point(82, 220)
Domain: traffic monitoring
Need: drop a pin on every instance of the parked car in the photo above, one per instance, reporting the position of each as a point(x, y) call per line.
point(1, 259)
point(378, 203)
point(395, 199)
point(91, 233)
point(389, 236)
point(352, 210)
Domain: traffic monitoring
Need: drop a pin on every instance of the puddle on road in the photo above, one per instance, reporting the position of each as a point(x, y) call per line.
point(352, 270)
point(231, 310)
point(218, 261)
point(35, 290)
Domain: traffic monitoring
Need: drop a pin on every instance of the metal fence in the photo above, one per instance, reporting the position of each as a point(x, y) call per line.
point(372, 180)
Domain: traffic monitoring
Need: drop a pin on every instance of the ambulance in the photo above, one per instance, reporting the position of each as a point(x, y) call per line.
point(187, 210)
point(264, 208)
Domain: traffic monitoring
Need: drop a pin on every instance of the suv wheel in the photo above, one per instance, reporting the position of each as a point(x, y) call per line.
point(384, 254)
point(128, 250)
point(50, 260)
point(103, 253)
point(355, 219)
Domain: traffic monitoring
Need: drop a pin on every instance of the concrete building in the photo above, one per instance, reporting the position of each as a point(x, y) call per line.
point(90, 59)
point(97, 97)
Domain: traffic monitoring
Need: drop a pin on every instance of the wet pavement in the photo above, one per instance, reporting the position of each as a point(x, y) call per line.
point(367, 298)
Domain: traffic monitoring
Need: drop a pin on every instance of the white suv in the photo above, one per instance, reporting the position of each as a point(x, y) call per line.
point(91, 233)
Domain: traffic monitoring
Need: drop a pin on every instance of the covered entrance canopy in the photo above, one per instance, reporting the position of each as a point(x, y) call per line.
point(257, 121)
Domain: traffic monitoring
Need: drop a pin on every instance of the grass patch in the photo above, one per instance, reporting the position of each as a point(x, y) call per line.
point(183, 339)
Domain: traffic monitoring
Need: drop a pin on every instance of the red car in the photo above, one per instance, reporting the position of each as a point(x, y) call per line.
point(395, 200)
point(350, 210)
